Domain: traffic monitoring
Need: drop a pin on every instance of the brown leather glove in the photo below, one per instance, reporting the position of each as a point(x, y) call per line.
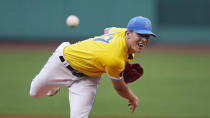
point(132, 72)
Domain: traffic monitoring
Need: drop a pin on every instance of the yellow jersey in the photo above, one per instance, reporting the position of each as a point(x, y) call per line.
point(107, 53)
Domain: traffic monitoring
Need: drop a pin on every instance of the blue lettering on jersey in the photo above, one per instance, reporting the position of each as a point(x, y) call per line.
point(104, 38)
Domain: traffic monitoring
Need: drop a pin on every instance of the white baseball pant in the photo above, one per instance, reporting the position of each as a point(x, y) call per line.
point(54, 74)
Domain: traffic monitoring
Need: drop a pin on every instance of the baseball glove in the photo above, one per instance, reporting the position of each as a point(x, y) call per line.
point(132, 72)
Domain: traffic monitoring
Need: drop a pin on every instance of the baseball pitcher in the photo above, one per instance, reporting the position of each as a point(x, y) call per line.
point(79, 66)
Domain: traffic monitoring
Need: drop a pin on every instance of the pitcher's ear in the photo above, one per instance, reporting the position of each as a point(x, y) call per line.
point(127, 33)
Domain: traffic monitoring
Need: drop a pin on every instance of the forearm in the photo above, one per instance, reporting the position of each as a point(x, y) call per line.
point(124, 91)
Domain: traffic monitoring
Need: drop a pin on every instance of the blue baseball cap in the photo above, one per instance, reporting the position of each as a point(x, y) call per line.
point(140, 25)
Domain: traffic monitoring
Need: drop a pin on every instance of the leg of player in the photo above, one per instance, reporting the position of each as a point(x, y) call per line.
point(52, 76)
point(82, 96)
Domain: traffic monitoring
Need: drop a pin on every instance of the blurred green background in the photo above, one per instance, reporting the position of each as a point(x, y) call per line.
point(173, 21)
point(176, 82)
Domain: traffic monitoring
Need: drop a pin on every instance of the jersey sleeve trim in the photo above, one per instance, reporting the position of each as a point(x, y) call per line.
point(113, 78)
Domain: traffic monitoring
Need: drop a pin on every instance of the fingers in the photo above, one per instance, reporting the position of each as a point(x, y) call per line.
point(132, 106)
point(133, 103)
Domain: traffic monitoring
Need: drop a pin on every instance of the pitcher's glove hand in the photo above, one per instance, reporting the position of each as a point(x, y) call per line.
point(132, 72)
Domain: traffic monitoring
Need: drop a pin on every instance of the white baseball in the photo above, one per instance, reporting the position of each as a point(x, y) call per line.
point(72, 21)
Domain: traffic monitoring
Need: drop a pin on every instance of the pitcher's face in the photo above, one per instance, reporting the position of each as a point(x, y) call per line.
point(136, 42)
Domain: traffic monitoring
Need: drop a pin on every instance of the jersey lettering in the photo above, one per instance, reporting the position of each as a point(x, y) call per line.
point(104, 38)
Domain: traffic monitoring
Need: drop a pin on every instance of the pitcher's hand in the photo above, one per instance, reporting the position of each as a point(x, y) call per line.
point(133, 103)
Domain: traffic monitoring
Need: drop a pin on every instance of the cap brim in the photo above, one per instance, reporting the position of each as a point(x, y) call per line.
point(145, 32)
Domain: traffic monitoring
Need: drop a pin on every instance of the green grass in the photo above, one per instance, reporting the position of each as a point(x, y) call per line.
point(174, 84)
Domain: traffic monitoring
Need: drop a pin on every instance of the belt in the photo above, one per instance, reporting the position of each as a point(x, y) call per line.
point(68, 66)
